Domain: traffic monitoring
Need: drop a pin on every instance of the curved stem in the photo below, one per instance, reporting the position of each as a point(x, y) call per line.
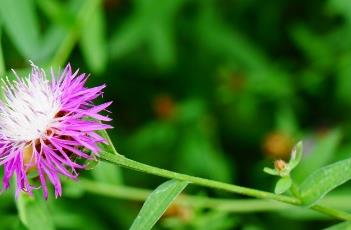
point(128, 163)
point(131, 164)
point(226, 205)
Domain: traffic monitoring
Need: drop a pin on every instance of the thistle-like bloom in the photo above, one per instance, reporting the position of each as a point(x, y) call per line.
point(48, 127)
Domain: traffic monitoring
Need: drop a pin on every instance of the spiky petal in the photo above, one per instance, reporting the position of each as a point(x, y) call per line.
point(46, 126)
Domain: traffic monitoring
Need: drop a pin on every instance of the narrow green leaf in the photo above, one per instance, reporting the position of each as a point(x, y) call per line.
point(157, 203)
point(324, 180)
point(320, 156)
point(283, 185)
point(93, 41)
point(21, 24)
point(33, 212)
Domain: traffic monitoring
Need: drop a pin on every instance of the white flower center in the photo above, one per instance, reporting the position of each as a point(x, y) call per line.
point(28, 108)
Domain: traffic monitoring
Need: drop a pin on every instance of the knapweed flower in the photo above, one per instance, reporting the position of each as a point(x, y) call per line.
point(48, 126)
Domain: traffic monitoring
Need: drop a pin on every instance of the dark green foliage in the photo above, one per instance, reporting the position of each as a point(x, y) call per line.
point(210, 88)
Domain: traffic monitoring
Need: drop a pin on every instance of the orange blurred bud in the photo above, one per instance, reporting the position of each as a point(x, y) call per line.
point(164, 106)
point(236, 81)
point(184, 213)
point(278, 145)
point(279, 165)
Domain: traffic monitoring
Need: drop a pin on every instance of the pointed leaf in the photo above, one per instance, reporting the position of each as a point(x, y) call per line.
point(324, 180)
point(270, 171)
point(157, 203)
point(283, 185)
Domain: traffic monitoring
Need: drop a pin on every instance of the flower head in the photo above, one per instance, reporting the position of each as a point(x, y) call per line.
point(47, 127)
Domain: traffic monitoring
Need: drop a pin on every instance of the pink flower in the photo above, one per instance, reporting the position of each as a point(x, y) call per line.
point(47, 127)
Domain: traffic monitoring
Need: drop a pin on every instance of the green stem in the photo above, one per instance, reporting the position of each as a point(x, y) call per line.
point(131, 164)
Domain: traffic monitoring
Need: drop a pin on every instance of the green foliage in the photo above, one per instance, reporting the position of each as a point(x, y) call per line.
point(198, 87)
point(157, 203)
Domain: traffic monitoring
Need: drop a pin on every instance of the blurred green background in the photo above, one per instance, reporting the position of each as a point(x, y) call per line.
point(217, 89)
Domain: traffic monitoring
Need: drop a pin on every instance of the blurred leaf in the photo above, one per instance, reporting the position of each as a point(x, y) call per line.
point(321, 155)
point(10, 222)
point(340, 6)
point(33, 212)
point(340, 226)
point(107, 173)
point(324, 180)
point(162, 45)
point(313, 46)
point(145, 26)
point(153, 142)
point(343, 79)
point(73, 189)
point(197, 148)
point(104, 172)
point(126, 39)
point(225, 41)
point(157, 203)
point(271, 83)
point(199, 144)
point(58, 11)
point(287, 121)
point(68, 218)
point(214, 220)
point(91, 164)
point(2, 61)
point(63, 16)
point(93, 41)
point(229, 44)
point(51, 41)
point(22, 25)
point(283, 185)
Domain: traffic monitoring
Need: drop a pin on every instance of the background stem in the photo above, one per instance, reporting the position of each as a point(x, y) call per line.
point(227, 205)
